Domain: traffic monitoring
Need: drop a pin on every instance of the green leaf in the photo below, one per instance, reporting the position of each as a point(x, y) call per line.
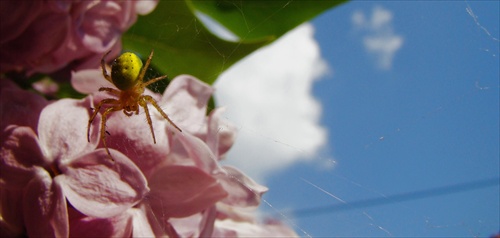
point(258, 19)
point(183, 45)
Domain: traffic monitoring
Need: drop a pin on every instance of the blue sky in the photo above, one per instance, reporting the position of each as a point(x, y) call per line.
point(382, 99)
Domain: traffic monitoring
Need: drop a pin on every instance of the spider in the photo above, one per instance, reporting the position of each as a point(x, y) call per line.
point(127, 76)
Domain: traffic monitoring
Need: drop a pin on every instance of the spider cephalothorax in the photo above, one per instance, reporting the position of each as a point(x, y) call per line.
point(127, 76)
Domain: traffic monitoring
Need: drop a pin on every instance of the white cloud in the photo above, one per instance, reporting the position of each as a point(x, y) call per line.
point(380, 39)
point(268, 96)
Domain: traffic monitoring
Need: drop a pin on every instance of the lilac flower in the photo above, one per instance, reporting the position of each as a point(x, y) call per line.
point(19, 107)
point(238, 222)
point(185, 101)
point(59, 184)
point(46, 36)
point(181, 182)
point(56, 164)
point(53, 182)
point(182, 169)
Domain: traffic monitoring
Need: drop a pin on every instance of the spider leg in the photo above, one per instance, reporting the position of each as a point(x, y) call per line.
point(143, 104)
point(153, 80)
point(103, 128)
point(149, 99)
point(96, 110)
point(145, 67)
point(103, 67)
point(113, 91)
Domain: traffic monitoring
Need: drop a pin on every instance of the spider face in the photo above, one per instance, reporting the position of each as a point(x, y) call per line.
point(127, 74)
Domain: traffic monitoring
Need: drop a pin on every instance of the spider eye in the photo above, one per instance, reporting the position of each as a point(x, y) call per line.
point(125, 70)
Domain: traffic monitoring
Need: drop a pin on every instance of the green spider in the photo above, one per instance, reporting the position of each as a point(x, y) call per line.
point(127, 76)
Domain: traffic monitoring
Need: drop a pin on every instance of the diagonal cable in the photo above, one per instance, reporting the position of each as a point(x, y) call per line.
point(402, 197)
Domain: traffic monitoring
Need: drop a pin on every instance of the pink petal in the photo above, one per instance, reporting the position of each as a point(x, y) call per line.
point(99, 187)
point(185, 100)
point(59, 219)
point(32, 42)
point(12, 223)
point(243, 191)
point(44, 208)
point(24, 50)
point(198, 225)
point(199, 152)
point(19, 107)
point(89, 81)
point(221, 232)
point(18, 20)
point(187, 226)
point(140, 223)
point(242, 214)
point(179, 191)
point(93, 61)
point(232, 228)
point(85, 226)
point(98, 27)
point(62, 129)
point(132, 136)
point(207, 223)
point(221, 133)
point(148, 222)
point(19, 152)
point(145, 7)
point(46, 86)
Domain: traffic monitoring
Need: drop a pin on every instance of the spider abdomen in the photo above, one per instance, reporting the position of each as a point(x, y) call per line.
point(125, 71)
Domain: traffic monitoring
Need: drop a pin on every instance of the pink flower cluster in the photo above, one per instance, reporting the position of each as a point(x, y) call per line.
point(55, 183)
point(46, 36)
